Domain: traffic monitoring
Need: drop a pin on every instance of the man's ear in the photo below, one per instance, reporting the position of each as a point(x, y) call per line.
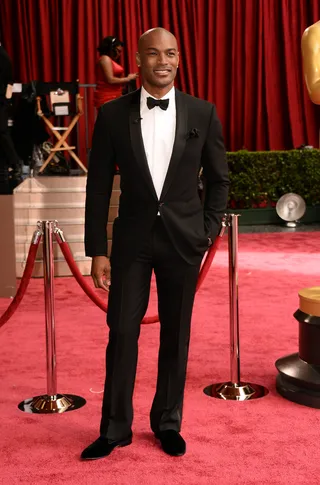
point(138, 60)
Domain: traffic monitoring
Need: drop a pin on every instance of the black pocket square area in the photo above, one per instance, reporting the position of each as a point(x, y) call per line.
point(194, 133)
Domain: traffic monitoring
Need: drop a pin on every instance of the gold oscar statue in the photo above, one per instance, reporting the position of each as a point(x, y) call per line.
point(310, 45)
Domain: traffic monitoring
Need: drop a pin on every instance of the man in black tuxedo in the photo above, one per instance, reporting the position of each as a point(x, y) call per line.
point(159, 138)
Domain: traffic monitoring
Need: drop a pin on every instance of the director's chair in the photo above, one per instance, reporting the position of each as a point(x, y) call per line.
point(59, 95)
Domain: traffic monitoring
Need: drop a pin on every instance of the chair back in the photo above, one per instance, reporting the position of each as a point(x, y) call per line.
point(59, 94)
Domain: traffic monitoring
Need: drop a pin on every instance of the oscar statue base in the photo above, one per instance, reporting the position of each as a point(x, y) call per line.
point(59, 403)
point(296, 394)
point(235, 391)
point(298, 381)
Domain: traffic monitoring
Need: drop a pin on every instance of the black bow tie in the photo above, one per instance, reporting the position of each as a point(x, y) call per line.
point(162, 103)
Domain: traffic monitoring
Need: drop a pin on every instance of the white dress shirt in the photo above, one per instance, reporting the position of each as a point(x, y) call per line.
point(158, 129)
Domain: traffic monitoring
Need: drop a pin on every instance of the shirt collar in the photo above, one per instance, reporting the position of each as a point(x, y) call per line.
point(145, 94)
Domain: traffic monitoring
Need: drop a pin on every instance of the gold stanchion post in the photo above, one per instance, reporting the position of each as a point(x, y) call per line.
point(52, 402)
point(234, 389)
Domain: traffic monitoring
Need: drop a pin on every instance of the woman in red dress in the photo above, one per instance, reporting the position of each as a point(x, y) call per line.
point(109, 74)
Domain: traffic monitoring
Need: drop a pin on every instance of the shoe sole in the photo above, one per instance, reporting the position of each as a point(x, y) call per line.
point(177, 454)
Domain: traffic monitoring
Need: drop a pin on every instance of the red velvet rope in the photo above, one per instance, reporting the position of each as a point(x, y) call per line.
point(82, 282)
point(104, 305)
point(208, 261)
point(24, 282)
point(78, 276)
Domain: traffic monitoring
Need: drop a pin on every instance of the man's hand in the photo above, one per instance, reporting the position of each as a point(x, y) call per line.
point(9, 92)
point(100, 272)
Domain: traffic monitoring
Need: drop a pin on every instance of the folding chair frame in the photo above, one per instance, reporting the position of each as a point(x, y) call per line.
point(61, 144)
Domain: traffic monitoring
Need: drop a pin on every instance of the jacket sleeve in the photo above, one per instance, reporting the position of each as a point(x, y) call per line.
point(99, 187)
point(215, 171)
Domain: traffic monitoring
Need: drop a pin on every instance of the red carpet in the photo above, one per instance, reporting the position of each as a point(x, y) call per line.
point(267, 441)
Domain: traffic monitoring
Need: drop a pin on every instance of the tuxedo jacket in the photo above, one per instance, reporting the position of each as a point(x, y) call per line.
point(117, 140)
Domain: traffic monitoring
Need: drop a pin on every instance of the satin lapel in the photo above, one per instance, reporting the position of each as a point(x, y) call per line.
point(137, 141)
point(179, 142)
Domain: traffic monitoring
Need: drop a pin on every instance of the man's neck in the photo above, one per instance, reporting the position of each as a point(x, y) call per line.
point(155, 91)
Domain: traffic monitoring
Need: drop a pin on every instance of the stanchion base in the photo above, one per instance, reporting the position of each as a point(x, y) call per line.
point(59, 403)
point(235, 392)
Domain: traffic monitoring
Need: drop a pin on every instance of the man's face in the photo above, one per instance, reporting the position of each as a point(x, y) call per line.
point(158, 59)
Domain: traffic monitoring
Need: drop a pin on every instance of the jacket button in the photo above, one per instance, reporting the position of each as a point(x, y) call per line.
point(161, 204)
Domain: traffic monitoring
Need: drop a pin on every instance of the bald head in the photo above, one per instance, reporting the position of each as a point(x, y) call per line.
point(158, 31)
point(158, 59)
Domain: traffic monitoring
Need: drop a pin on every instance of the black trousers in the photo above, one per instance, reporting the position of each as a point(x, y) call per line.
point(6, 144)
point(128, 301)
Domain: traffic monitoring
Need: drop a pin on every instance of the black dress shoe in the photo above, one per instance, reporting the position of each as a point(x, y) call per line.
point(103, 447)
point(172, 442)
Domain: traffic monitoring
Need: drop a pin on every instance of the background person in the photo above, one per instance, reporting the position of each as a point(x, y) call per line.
point(110, 78)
